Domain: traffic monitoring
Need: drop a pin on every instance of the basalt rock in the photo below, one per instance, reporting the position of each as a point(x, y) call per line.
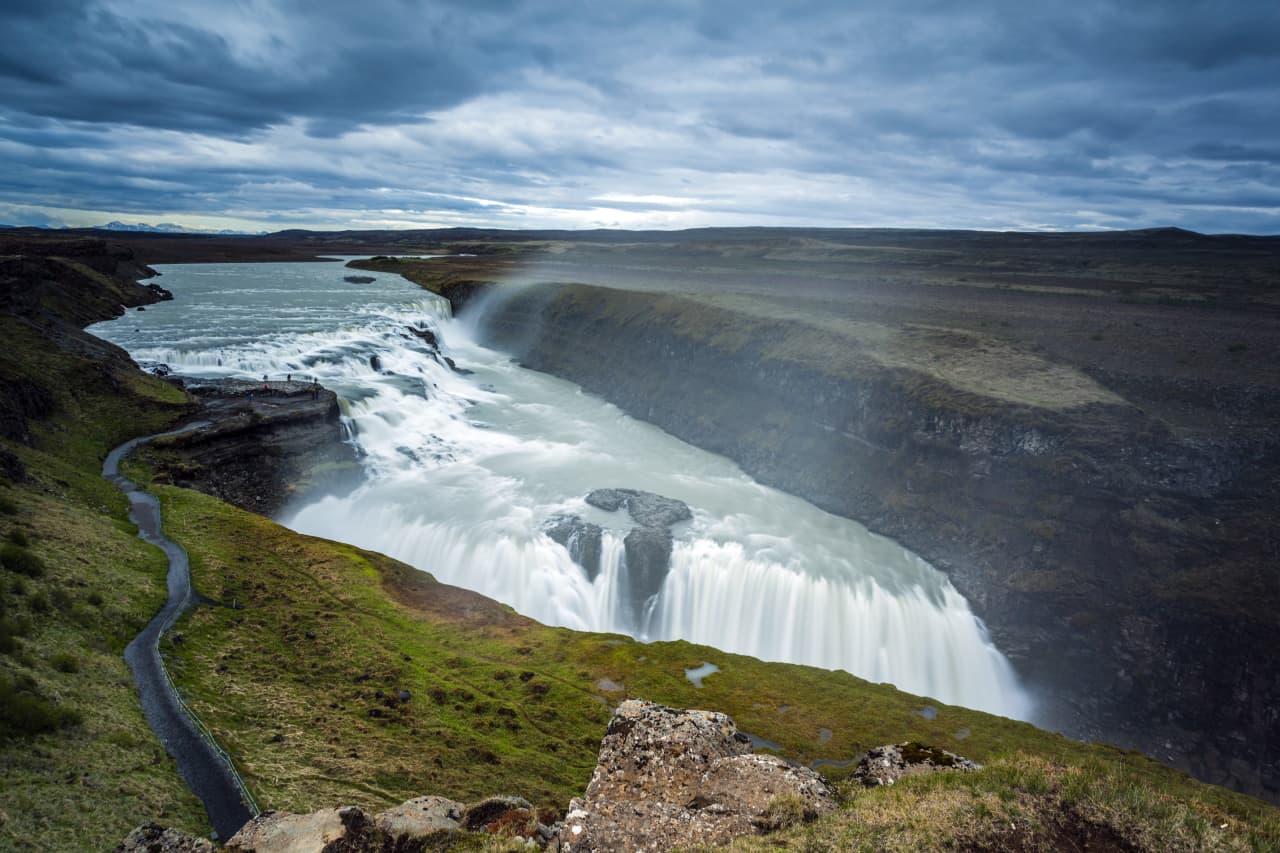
point(342, 830)
point(668, 778)
point(648, 552)
point(645, 508)
point(261, 449)
point(581, 538)
point(421, 824)
point(426, 336)
point(648, 545)
point(420, 817)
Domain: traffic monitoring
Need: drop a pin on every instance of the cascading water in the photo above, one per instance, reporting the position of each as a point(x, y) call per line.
point(464, 470)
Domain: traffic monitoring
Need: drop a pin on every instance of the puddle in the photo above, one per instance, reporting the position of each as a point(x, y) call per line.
point(608, 685)
point(762, 743)
point(827, 762)
point(962, 734)
point(928, 712)
point(698, 673)
point(824, 735)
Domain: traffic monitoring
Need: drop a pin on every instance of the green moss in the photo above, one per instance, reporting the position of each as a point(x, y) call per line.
point(914, 752)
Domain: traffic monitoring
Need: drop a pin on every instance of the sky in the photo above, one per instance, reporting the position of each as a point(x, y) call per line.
point(273, 114)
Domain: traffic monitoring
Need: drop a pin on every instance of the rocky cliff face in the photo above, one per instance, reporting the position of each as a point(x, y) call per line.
point(1123, 569)
point(58, 287)
point(261, 447)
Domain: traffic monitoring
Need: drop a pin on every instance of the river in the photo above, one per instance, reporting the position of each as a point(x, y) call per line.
point(463, 470)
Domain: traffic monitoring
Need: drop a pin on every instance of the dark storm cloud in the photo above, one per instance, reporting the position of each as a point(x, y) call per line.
point(326, 62)
point(1097, 113)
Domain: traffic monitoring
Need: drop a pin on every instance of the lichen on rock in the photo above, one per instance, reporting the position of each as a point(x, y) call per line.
point(670, 778)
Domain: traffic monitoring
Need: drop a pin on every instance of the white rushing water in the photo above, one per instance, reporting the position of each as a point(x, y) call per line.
point(463, 471)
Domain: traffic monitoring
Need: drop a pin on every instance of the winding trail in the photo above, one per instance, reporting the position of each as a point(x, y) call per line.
point(202, 763)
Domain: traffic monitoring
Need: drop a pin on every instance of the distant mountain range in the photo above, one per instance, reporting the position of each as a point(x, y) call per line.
point(169, 228)
point(162, 228)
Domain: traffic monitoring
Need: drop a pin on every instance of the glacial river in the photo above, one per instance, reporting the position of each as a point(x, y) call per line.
point(463, 470)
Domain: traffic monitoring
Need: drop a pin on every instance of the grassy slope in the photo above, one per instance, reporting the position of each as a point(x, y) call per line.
point(77, 786)
point(323, 633)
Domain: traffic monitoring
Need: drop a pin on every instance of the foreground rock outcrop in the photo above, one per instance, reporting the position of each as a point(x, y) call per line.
point(665, 778)
point(668, 778)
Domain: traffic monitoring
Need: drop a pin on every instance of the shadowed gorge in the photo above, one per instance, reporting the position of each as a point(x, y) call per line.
point(1077, 430)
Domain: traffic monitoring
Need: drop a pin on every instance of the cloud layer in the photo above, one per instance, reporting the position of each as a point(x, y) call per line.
point(395, 113)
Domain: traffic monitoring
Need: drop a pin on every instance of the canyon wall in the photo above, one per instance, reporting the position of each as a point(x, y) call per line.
point(1119, 566)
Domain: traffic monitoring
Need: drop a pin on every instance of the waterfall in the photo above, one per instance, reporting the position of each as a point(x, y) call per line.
point(464, 469)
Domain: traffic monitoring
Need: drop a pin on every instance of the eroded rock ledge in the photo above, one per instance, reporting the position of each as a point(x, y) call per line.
point(265, 444)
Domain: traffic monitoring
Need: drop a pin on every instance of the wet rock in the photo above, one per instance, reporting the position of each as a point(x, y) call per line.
point(453, 365)
point(419, 818)
point(359, 279)
point(645, 508)
point(648, 544)
point(670, 778)
point(648, 551)
point(288, 444)
point(426, 335)
point(885, 765)
point(160, 294)
point(375, 362)
point(154, 838)
point(580, 538)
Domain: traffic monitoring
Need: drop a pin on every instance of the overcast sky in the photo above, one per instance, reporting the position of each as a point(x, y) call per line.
point(270, 114)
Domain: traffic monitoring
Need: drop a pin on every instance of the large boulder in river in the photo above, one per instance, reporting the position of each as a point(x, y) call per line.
point(645, 508)
point(668, 778)
point(648, 551)
point(648, 545)
point(581, 538)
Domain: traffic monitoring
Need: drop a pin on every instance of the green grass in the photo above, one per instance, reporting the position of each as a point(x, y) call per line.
point(320, 634)
point(79, 767)
point(1021, 801)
